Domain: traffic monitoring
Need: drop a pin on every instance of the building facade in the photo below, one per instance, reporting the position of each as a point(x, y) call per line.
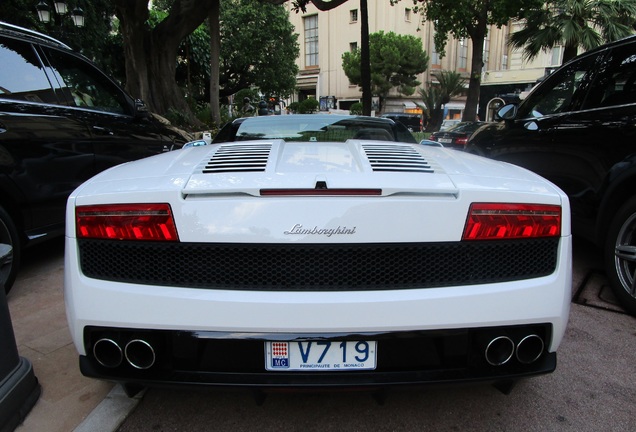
point(325, 36)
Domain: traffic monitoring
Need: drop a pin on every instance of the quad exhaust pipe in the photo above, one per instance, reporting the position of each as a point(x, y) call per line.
point(501, 349)
point(138, 353)
point(529, 349)
point(108, 353)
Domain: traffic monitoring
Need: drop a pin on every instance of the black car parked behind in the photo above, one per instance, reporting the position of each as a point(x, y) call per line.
point(413, 122)
point(456, 136)
point(578, 129)
point(62, 121)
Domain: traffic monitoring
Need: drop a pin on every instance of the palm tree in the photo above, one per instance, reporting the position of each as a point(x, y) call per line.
point(574, 24)
point(437, 95)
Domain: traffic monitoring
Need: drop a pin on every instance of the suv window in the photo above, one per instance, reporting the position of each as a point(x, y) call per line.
point(81, 85)
point(25, 80)
point(561, 92)
point(616, 82)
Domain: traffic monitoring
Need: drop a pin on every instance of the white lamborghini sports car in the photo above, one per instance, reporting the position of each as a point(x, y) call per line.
point(270, 263)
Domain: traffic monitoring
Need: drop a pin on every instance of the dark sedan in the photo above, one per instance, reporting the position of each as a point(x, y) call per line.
point(457, 136)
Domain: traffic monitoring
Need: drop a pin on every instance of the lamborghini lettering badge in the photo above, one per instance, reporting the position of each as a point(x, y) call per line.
point(298, 229)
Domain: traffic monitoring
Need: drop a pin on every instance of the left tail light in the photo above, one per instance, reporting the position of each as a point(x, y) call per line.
point(494, 221)
point(152, 222)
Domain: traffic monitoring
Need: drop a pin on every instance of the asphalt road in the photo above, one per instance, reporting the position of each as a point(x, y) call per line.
point(593, 389)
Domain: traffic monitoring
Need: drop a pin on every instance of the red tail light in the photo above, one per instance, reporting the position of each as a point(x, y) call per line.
point(492, 221)
point(462, 141)
point(126, 222)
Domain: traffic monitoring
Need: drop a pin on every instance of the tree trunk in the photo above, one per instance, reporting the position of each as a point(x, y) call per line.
point(436, 119)
point(569, 52)
point(214, 20)
point(472, 97)
point(365, 59)
point(150, 55)
point(132, 16)
point(477, 37)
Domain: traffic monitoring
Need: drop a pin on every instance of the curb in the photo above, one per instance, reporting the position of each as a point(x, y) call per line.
point(111, 412)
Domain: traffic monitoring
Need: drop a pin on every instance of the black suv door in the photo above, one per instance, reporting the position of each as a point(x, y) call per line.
point(119, 132)
point(45, 150)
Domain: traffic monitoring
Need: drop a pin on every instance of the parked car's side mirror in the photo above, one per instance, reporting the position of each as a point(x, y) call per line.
point(507, 112)
point(141, 110)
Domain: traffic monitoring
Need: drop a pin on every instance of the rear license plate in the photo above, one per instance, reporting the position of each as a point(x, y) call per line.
point(320, 355)
point(445, 140)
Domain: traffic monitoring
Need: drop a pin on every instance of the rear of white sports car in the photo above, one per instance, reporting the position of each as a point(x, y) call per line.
point(360, 264)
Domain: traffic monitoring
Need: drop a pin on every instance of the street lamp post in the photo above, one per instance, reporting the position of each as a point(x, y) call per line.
point(61, 9)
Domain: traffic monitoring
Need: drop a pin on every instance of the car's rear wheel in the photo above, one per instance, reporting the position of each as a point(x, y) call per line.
point(620, 255)
point(9, 262)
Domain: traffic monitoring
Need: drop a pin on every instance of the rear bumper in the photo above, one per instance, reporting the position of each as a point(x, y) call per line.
point(231, 360)
point(216, 337)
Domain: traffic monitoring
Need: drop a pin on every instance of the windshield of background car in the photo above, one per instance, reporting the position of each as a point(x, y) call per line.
point(560, 92)
point(315, 128)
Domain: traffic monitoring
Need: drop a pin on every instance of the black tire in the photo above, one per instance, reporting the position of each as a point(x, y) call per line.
point(10, 263)
point(620, 255)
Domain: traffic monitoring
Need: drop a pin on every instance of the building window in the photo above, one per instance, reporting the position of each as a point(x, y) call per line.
point(407, 14)
point(353, 15)
point(462, 54)
point(311, 40)
point(353, 46)
point(504, 56)
point(486, 54)
point(555, 59)
point(435, 59)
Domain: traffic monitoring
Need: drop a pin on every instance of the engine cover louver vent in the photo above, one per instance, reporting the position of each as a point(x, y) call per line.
point(395, 158)
point(239, 158)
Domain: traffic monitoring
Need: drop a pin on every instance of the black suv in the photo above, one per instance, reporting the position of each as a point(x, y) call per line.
point(577, 128)
point(62, 121)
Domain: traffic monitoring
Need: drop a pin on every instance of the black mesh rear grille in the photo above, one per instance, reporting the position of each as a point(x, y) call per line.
point(317, 267)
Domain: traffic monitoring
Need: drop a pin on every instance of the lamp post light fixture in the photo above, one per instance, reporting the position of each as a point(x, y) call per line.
point(61, 9)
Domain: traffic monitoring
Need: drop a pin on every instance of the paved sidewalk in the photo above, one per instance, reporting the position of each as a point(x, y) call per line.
point(36, 305)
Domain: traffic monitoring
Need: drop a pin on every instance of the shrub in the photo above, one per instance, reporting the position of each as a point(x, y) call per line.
point(293, 107)
point(308, 106)
point(356, 109)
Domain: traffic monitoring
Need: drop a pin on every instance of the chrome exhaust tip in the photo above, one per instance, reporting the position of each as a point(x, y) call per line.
point(108, 353)
point(499, 350)
point(529, 349)
point(140, 354)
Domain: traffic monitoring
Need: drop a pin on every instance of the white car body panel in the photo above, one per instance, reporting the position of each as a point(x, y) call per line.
point(228, 208)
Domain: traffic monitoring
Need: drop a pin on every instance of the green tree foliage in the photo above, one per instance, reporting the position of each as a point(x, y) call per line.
point(250, 33)
point(395, 61)
point(437, 95)
point(574, 24)
point(470, 19)
point(95, 40)
point(259, 48)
